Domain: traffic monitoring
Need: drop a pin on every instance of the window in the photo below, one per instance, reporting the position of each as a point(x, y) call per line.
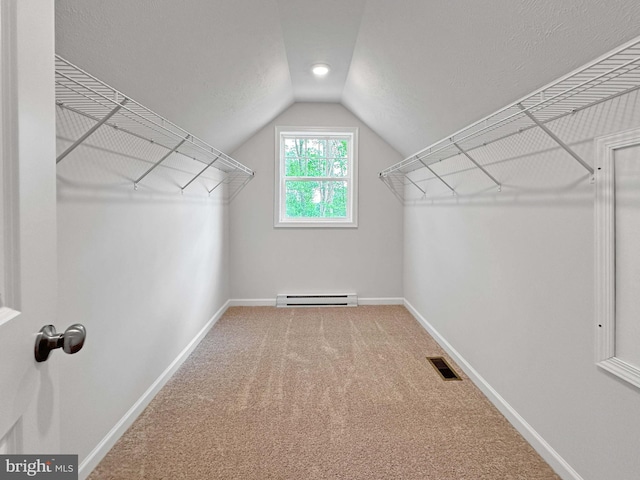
point(316, 177)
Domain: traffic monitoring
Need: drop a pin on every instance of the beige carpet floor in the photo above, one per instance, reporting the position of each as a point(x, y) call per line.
point(319, 393)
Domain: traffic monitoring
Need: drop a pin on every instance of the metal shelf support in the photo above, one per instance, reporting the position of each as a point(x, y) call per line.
point(384, 179)
point(199, 173)
point(610, 76)
point(135, 184)
point(244, 182)
point(437, 176)
point(466, 154)
point(216, 186)
point(415, 184)
point(556, 139)
point(91, 131)
point(80, 93)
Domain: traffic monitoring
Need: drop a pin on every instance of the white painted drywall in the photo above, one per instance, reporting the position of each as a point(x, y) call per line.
point(508, 280)
point(266, 261)
point(143, 270)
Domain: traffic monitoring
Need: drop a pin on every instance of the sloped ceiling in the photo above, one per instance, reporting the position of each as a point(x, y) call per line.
point(413, 70)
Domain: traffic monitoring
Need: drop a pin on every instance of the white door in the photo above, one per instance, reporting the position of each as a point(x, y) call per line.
point(28, 390)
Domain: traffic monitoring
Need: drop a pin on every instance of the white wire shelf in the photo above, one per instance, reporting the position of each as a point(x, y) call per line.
point(612, 75)
point(85, 95)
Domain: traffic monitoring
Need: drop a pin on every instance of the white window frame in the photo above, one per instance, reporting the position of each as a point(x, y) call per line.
point(280, 219)
point(605, 244)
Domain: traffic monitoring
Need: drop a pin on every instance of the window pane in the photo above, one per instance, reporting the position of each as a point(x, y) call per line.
point(338, 148)
point(316, 199)
point(316, 157)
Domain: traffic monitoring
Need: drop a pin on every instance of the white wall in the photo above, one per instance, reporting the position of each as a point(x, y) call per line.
point(143, 270)
point(266, 261)
point(508, 280)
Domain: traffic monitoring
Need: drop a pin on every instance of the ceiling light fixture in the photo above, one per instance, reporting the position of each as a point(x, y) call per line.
point(320, 69)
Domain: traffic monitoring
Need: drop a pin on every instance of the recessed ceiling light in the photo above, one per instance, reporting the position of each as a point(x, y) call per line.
point(320, 69)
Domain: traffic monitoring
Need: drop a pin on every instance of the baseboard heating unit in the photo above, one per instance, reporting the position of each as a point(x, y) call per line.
point(320, 300)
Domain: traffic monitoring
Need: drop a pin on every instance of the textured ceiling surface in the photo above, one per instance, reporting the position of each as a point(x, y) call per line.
point(413, 70)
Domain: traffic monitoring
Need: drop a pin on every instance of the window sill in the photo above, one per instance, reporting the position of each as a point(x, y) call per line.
point(314, 224)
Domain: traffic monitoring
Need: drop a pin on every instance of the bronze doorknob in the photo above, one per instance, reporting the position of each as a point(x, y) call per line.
point(48, 339)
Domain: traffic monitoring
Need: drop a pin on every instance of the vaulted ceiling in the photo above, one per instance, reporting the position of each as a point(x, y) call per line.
point(413, 70)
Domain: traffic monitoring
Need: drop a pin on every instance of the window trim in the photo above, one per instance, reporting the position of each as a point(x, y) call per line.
point(605, 258)
point(279, 220)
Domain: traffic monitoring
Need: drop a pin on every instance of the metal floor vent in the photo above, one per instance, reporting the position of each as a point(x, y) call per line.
point(321, 300)
point(443, 368)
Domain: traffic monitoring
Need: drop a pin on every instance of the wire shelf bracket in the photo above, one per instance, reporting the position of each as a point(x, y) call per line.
point(242, 185)
point(438, 176)
point(610, 76)
point(164, 157)
point(415, 184)
point(482, 169)
point(556, 139)
point(199, 173)
point(83, 94)
point(387, 180)
point(91, 131)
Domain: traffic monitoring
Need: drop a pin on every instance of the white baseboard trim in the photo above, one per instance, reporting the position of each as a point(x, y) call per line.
point(381, 301)
point(271, 302)
point(545, 450)
point(91, 461)
point(253, 302)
